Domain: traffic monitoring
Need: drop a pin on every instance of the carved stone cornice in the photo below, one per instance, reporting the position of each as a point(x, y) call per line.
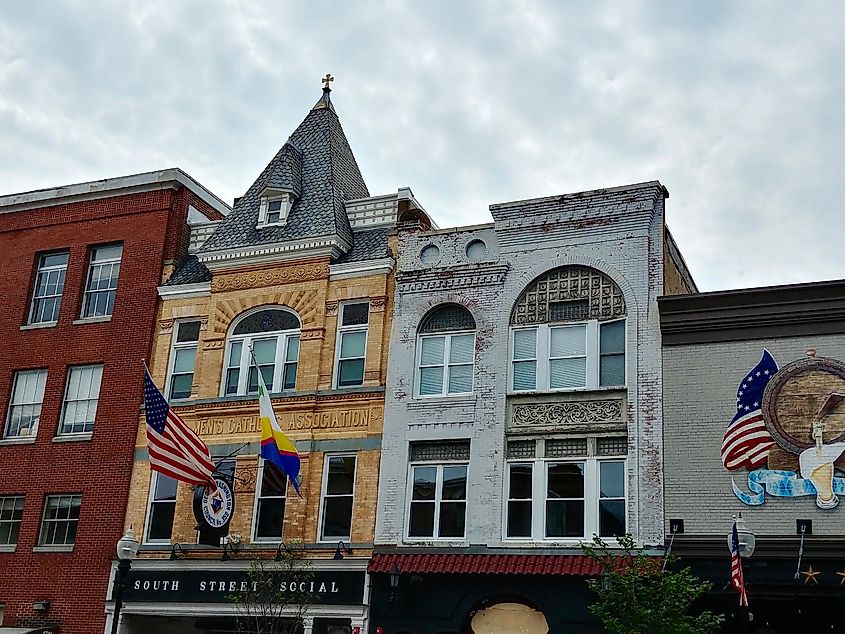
point(451, 278)
point(565, 416)
point(246, 475)
point(294, 400)
point(246, 280)
point(213, 344)
point(310, 334)
point(377, 304)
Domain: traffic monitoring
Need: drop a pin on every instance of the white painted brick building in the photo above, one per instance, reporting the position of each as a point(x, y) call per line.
point(550, 274)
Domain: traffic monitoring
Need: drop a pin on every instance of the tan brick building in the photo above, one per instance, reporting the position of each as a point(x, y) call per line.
point(301, 274)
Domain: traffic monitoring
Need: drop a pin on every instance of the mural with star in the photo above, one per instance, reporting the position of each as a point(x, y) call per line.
point(788, 432)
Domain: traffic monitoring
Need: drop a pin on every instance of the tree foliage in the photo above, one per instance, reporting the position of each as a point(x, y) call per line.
point(274, 601)
point(637, 594)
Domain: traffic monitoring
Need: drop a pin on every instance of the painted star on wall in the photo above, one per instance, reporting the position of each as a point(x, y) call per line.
point(810, 575)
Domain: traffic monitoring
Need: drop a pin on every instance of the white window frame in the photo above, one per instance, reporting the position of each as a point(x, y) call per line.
point(438, 498)
point(326, 539)
point(175, 345)
point(258, 497)
point(446, 365)
point(624, 497)
point(539, 491)
point(543, 367)
point(44, 521)
point(154, 476)
point(13, 499)
point(343, 330)
point(85, 432)
point(282, 341)
point(110, 262)
point(41, 372)
point(286, 201)
point(507, 498)
point(46, 270)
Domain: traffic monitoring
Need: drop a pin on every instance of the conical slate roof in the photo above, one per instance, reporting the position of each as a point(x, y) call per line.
point(316, 163)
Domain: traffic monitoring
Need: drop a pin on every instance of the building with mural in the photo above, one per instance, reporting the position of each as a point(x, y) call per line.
point(80, 264)
point(754, 424)
point(297, 284)
point(523, 410)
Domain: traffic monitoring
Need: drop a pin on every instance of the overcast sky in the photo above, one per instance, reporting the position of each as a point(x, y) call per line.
point(736, 107)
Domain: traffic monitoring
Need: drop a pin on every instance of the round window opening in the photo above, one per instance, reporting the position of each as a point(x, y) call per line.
point(476, 250)
point(429, 254)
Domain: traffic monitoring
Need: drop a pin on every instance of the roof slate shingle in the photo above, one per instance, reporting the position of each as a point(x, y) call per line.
point(328, 176)
point(189, 271)
point(369, 244)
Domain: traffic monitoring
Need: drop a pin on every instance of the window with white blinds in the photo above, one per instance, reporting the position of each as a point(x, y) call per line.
point(351, 352)
point(25, 404)
point(446, 364)
point(101, 287)
point(567, 357)
point(82, 395)
point(446, 352)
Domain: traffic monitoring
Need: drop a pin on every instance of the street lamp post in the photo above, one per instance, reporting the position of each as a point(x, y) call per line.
point(747, 542)
point(127, 548)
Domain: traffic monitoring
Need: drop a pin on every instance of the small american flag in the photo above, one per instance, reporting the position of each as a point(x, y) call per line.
point(175, 449)
point(737, 580)
point(747, 441)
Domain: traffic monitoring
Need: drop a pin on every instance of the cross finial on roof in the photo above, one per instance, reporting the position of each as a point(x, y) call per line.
point(327, 81)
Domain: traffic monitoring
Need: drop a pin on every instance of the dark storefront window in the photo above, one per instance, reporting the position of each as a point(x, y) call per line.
point(332, 626)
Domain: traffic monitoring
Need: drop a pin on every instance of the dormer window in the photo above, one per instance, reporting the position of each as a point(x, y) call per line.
point(274, 212)
point(274, 209)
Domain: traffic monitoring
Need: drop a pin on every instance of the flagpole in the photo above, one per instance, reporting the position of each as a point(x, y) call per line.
point(267, 396)
point(224, 459)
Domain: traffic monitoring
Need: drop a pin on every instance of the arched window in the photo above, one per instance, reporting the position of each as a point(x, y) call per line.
point(445, 352)
point(568, 332)
point(272, 336)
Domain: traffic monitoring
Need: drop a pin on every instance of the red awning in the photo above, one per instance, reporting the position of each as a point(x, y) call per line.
point(578, 565)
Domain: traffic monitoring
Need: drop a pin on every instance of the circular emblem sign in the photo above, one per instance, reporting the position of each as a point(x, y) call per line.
point(218, 506)
point(798, 396)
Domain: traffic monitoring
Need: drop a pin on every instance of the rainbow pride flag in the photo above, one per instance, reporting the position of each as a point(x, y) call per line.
point(275, 446)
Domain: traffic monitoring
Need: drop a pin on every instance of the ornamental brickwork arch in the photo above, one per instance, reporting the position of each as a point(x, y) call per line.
point(569, 293)
point(303, 303)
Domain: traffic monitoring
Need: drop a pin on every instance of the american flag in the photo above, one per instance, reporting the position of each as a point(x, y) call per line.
point(175, 449)
point(737, 580)
point(747, 441)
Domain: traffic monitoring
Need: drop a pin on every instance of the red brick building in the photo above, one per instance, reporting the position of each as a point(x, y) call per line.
point(80, 267)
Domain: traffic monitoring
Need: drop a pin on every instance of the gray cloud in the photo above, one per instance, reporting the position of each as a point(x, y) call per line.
point(735, 107)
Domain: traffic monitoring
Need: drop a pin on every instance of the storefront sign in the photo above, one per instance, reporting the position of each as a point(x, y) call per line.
point(344, 587)
point(358, 418)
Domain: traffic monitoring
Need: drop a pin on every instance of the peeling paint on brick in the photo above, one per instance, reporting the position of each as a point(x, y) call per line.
point(618, 231)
